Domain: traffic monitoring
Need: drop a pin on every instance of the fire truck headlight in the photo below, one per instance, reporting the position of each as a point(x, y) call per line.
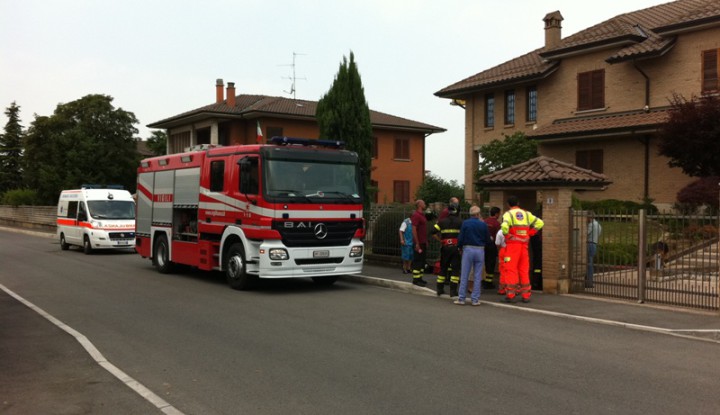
point(356, 251)
point(278, 254)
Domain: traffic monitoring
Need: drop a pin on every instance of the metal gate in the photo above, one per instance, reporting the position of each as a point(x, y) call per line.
point(655, 258)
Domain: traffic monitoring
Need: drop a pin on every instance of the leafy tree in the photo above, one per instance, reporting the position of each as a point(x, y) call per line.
point(497, 154)
point(84, 141)
point(157, 142)
point(691, 136)
point(435, 189)
point(343, 114)
point(11, 151)
point(701, 192)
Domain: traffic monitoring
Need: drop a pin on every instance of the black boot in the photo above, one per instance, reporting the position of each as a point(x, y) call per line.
point(419, 282)
point(453, 289)
point(440, 288)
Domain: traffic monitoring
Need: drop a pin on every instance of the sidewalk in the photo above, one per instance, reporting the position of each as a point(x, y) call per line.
point(44, 369)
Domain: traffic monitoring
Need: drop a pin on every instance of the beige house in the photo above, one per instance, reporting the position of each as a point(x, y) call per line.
point(398, 148)
point(596, 98)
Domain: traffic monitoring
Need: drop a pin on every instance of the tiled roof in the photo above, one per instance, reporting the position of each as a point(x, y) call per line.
point(255, 106)
point(644, 33)
point(544, 172)
point(605, 124)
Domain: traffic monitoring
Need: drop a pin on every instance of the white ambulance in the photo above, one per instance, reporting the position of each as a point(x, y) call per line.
point(96, 218)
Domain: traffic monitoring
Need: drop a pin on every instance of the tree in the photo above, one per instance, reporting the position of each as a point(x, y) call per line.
point(343, 114)
point(497, 154)
point(701, 192)
point(11, 151)
point(84, 141)
point(691, 136)
point(157, 142)
point(435, 189)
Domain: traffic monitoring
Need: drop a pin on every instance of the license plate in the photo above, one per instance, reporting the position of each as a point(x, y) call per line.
point(321, 254)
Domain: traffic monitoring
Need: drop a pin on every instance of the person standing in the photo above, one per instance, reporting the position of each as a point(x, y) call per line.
point(446, 231)
point(518, 226)
point(406, 245)
point(472, 240)
point(419, 231)
point(445, 212)
point(491, 252)
point(593, 238)
point(500, 244)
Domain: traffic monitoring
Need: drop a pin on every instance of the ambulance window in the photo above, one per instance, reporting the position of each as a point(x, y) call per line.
point(217, 176)
point(72, 209)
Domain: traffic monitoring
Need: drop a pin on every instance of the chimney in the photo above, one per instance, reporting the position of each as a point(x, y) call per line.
point(553, 29)
point(219, 91)
point(231, 94)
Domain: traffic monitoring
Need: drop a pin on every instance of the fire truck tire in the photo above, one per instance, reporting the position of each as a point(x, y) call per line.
point(324, 280)
point(235, 269)
point(161, 255)
point(63, 244)
point(87, 247)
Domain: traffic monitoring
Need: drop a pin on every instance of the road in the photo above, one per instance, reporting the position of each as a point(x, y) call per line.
point(293, 347)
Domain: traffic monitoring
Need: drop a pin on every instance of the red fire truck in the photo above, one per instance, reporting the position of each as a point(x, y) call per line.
point(292, 208)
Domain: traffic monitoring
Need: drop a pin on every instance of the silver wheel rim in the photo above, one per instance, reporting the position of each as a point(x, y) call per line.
point(235, 266)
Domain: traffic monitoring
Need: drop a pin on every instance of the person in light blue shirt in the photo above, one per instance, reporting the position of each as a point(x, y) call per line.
point(406, 245)
point(594, 230)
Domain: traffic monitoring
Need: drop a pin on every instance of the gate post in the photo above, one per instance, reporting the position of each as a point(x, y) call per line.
point(642, 261)
point(556, 205)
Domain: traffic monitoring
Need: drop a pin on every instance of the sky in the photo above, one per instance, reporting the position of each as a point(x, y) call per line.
point(159, 58)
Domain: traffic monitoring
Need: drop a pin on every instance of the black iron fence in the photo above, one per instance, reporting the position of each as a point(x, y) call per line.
point(661, 258)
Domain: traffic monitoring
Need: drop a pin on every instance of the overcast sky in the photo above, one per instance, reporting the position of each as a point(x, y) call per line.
point(160, 58)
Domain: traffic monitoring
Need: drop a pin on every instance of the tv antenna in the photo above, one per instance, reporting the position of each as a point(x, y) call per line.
point(293, 90)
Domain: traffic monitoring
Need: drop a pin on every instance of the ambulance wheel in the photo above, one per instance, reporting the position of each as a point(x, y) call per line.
point(236, 269)
point(87, 247)
point(324, 280)
point(63, 244)
point(161, 255)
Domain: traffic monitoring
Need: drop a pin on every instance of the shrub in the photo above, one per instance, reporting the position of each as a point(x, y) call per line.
point(614, 205)
point(617, 254)
point(701, 192)
point(19, 197)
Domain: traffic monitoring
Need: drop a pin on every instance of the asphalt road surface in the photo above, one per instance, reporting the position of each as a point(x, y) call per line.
point(291, 347)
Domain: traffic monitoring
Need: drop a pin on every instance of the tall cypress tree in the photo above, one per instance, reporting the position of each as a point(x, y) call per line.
point(11, 151)
point(343, 114)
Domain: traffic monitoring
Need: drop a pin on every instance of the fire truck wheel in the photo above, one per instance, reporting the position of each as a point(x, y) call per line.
point(161, 255)
point(63, 245)
point(87, 247)
point(324, 280)
point(235, 271)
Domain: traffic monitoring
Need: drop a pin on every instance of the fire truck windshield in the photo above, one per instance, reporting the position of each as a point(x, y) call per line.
point(304, 180)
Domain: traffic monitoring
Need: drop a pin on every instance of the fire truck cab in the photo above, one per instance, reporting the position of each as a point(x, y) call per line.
point(288, 209)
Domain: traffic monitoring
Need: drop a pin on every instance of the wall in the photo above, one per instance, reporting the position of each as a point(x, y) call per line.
point(31, 217)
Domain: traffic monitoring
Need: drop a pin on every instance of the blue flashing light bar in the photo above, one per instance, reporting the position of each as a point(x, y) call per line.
point(286, 141)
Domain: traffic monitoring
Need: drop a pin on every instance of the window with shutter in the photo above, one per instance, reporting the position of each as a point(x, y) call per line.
point(590, 159)
point(402, 148)
point(710, 66)
point(591, 90)
point(401, 191)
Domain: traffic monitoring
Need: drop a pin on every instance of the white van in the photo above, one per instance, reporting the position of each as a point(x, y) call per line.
point(96, 218)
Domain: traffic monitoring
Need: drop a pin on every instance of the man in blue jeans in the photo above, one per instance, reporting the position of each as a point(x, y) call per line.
point(473, 238)
point(593, 237)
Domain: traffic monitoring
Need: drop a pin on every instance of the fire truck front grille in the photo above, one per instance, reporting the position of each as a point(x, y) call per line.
point(114, 236)
point(315, 261)
point(316, 233)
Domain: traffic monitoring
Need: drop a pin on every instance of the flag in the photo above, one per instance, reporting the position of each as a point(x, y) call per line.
point(259, 133)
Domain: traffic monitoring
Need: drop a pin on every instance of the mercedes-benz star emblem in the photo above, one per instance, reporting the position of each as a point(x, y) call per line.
point(321, 231)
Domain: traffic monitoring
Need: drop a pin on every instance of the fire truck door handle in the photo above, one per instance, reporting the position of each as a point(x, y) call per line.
point(238, 221)
point(208, 220)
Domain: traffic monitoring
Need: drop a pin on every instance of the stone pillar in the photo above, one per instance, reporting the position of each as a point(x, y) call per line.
point(556, 240)
point(214, 134)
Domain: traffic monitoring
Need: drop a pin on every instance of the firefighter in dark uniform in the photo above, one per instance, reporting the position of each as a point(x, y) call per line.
point(446, 231)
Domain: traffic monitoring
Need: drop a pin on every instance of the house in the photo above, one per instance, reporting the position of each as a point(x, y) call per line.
point(398, 159)
point(597, 98)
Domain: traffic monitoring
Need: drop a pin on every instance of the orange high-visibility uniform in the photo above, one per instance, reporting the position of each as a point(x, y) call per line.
point(518, 226)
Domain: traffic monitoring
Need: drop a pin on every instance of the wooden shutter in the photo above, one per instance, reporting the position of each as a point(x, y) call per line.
point(710, 71)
